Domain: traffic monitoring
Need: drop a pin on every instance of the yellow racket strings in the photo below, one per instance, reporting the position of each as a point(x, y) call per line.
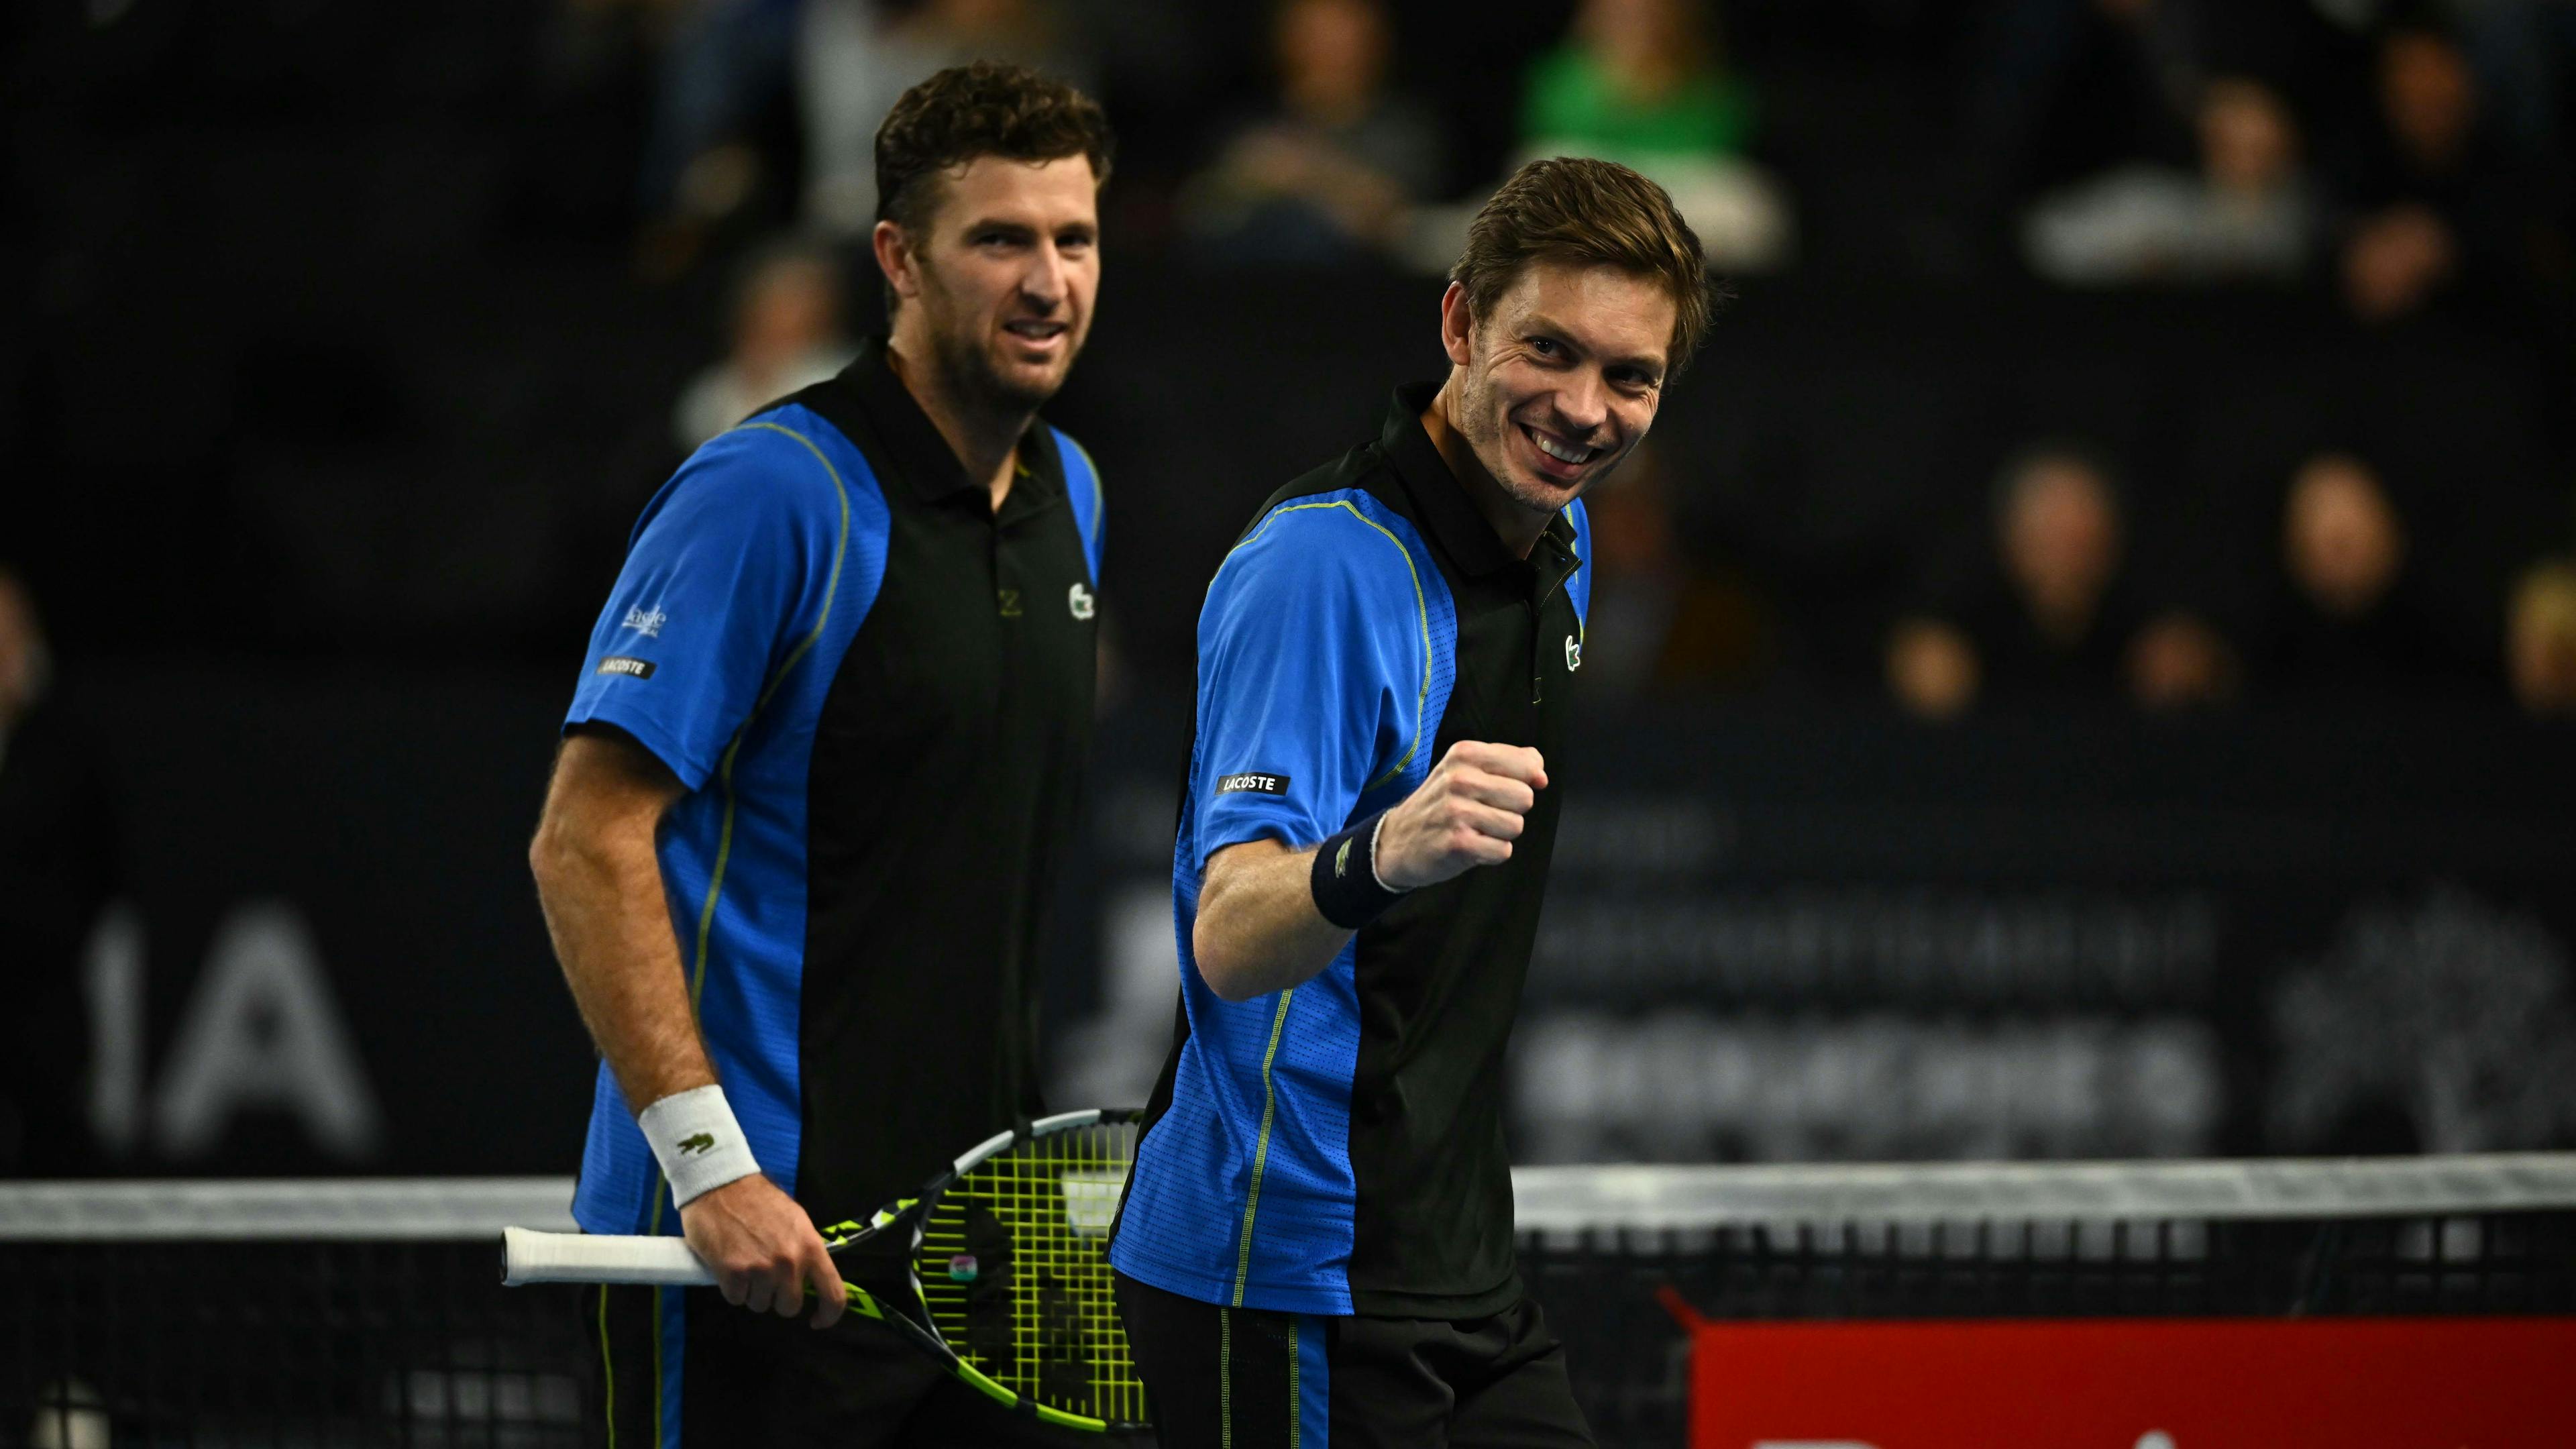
point(1043, 1207)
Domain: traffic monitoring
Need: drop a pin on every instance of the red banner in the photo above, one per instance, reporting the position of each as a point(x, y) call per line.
point(2454, 1383)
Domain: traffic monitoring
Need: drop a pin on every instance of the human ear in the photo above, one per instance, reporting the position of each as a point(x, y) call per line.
point(895, 260)
point(1457, 324)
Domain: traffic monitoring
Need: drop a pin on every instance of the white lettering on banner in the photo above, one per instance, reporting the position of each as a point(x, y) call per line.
point(2453, 1009)
point(263, 1030)
point(1893, 944)
point(1679, 1085)
point(112, 979)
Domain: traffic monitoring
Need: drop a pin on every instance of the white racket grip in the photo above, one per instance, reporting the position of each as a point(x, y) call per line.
point(529, 1256)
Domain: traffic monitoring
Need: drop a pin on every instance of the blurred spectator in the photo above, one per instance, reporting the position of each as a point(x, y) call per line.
point(787, 334)
point(1659, 621)
point(2247, 215)
point(2540, 639)
point(2439, 198)
point(2526, 54)
point(2354, 615)
point(1333, 168)
point(854, 58)
point(57, 870)
point(2076, 88)
point(724, 64)
point(2051, 617)
point(1642, 82)
point(1639, 78)
point(26, 665)
point(2069, 89)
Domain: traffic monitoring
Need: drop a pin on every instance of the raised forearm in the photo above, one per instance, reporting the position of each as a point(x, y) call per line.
point(1258, 929)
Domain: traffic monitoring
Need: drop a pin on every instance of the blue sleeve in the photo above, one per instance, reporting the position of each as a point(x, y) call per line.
point(1580, 586)
point(1090, 506)
point(725, 575)
point(1314, 678)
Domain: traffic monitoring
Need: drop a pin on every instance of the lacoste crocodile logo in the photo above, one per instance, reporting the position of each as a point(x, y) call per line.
point(698, 1142)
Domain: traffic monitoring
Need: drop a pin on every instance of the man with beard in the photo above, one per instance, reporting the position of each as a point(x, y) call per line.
point(818, 777)
point(1316, 1244)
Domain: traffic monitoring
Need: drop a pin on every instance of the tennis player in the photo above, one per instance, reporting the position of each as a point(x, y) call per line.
point(817, 780)
point(1316, 1244)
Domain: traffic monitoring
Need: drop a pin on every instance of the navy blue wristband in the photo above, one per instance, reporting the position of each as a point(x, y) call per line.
point(1344, 880)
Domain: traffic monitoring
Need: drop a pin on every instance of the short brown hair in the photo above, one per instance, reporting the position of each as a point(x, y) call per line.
point(983, 109)
point(1588, 213)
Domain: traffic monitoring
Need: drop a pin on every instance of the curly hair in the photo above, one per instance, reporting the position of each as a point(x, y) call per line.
point(982, 109)
point(1588, 212)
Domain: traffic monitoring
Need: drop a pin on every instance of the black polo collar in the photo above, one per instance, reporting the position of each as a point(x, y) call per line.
point(923, 456)
point(1461, 531)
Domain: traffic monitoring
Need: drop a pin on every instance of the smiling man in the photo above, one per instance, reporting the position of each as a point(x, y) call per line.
point(1316, 1245)
point(818, 778)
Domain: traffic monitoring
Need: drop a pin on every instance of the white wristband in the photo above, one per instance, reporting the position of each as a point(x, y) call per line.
point(700, 1145)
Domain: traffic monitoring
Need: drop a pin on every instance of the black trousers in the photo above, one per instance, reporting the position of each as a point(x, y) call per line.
point(1241, 1378)
point(724, 1376)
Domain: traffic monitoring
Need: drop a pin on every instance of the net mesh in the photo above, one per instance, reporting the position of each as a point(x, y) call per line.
point(337, 1314)
point(297, 1343)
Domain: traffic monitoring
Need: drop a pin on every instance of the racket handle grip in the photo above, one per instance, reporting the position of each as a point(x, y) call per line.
point(528, 1256)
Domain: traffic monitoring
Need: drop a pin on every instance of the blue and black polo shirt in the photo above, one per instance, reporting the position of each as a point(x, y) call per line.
point(1338, 1148)
point(879, 695)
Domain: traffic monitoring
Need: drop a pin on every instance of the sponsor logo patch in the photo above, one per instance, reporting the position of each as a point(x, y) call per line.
point(647, 622)
point(1254, 783)
point(631, 668)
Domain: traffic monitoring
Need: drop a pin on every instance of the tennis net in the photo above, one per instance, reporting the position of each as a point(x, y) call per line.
point(365, 1313)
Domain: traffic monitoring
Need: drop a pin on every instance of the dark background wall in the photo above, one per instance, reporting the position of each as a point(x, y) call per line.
point(1772, 934)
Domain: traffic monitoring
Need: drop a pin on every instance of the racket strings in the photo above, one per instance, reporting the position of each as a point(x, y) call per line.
point(1014, 1271)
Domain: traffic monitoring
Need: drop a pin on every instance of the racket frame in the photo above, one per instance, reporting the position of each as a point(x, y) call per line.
point(529, 1256)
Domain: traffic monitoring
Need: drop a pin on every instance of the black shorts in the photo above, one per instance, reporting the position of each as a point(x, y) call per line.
point(1241, 1378)
point(725, 1376)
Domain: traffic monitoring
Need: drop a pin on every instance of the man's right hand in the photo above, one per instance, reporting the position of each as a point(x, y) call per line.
point(764, 1250)
point(1466, 814)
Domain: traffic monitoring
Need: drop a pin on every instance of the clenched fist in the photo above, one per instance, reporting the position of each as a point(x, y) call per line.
point(1466, 814)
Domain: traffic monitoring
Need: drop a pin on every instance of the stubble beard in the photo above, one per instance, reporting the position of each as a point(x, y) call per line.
point(1489, 435)
point(967, 372)
point(966, 368)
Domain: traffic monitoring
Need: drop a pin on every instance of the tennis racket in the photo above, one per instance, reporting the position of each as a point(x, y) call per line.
point(1008, 1260)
